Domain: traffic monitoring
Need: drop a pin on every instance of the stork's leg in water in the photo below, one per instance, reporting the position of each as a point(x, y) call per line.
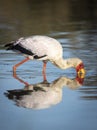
point(44, 70)
point(22, 81)
point(20, 63)
point(25, 60)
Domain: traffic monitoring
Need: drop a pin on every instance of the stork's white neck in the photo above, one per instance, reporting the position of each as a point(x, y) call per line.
point(67, 63)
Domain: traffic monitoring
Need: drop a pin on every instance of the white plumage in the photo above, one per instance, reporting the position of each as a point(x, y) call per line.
point(46, 49)
point(42, 46)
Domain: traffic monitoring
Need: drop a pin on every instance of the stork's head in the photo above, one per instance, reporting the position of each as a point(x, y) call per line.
point(80, 69)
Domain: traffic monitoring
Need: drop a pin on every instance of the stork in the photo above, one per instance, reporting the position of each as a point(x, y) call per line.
point(44, 48)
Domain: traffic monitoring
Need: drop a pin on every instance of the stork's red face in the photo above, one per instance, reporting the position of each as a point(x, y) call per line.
point(80, 69)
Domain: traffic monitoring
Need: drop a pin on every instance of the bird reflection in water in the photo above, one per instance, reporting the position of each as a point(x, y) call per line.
point(44, 94)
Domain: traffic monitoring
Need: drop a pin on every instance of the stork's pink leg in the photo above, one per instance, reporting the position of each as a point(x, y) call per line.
point(16, 77)
point(23, 61)
point(44, 70)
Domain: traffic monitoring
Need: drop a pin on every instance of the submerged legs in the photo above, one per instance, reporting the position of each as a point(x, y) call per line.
point(23, 61)
point(44, 70)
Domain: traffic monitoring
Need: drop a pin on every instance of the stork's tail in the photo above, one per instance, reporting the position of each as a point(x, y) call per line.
point(9, 46)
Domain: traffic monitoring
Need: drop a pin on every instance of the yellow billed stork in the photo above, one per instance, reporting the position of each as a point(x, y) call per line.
point(45, 49)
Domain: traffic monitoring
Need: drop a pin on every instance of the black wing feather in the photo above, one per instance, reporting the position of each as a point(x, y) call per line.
point(18, 47)
point(39, 57)
point(23, 50)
